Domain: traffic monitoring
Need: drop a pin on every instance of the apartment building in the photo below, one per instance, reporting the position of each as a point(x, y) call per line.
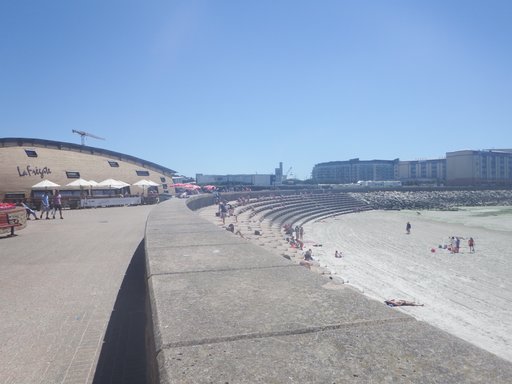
point(479, 167)
point(354, 170)
point(422, 171)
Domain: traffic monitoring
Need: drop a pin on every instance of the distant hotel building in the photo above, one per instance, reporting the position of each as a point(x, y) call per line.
point(354, 170)
point(422, 171)
point(490, 167)
point(460, 168)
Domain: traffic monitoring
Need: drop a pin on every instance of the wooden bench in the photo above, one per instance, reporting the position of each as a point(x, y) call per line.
point(9, 220)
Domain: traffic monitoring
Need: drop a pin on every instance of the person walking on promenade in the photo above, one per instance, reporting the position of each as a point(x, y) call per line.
point(408, 228)
point(45, 205)
point(57, 204)
point(471, 244)
point(223, 211)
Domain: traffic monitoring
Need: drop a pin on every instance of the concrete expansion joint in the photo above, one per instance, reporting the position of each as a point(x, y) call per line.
point(224, 270)
point(300, 331)
point(171, 246)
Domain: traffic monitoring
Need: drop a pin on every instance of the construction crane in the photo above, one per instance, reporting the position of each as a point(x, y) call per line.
point(288, 173)
point(83, 134)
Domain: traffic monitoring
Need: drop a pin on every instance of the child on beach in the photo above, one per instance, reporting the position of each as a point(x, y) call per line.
point(471, 244)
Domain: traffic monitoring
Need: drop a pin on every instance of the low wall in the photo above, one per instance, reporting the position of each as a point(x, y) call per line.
point(223, 310)
point(201, 201)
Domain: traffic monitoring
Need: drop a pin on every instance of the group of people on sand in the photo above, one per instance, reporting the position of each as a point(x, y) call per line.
point(454, 244)
point(49, 206)
point(295, 243)
point(295, 236)
point(297, 232)
point(454, 241)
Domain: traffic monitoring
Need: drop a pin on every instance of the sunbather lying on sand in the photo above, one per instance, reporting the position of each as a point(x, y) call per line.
point(400, 303)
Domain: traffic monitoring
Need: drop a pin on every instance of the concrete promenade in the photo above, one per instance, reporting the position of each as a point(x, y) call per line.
point(59, 283)
point(224, 310)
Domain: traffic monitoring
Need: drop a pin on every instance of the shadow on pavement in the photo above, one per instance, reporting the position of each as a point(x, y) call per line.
point(123, 355)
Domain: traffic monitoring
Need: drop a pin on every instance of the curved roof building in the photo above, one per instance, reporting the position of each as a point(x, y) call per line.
point(26, 162)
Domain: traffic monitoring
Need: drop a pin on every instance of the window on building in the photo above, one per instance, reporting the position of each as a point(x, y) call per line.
point(142, 173)
point(162, 179)
point(72, 174)
point(31, 153)
point(412, 170)
point(423, 170)
point(13, 197)
point(164, 186)
point(113, 164)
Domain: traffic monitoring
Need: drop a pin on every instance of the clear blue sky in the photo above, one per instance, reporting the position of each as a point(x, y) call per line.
point(237, 86)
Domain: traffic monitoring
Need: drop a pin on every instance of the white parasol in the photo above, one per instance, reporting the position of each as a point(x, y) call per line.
point(143, 183)
point(45, 184)
point(146, 183)
point(79, 183)
point(112, 183)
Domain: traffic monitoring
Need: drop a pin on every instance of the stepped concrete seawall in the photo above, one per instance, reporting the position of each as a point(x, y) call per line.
point(224, 310)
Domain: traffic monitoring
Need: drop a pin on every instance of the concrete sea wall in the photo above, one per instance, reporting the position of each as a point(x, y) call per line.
point(224, 310)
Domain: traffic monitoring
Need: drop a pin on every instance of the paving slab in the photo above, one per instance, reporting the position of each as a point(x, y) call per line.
point(180, 259)
point(387, 352)
point(195, 237)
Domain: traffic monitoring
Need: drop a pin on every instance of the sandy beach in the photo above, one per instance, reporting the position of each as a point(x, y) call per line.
point(466, 294)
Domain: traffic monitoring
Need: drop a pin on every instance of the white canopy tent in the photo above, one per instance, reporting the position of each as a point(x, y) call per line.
point(112, 183)
point(145, 183)
point(45, 184)
point(81, 183)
